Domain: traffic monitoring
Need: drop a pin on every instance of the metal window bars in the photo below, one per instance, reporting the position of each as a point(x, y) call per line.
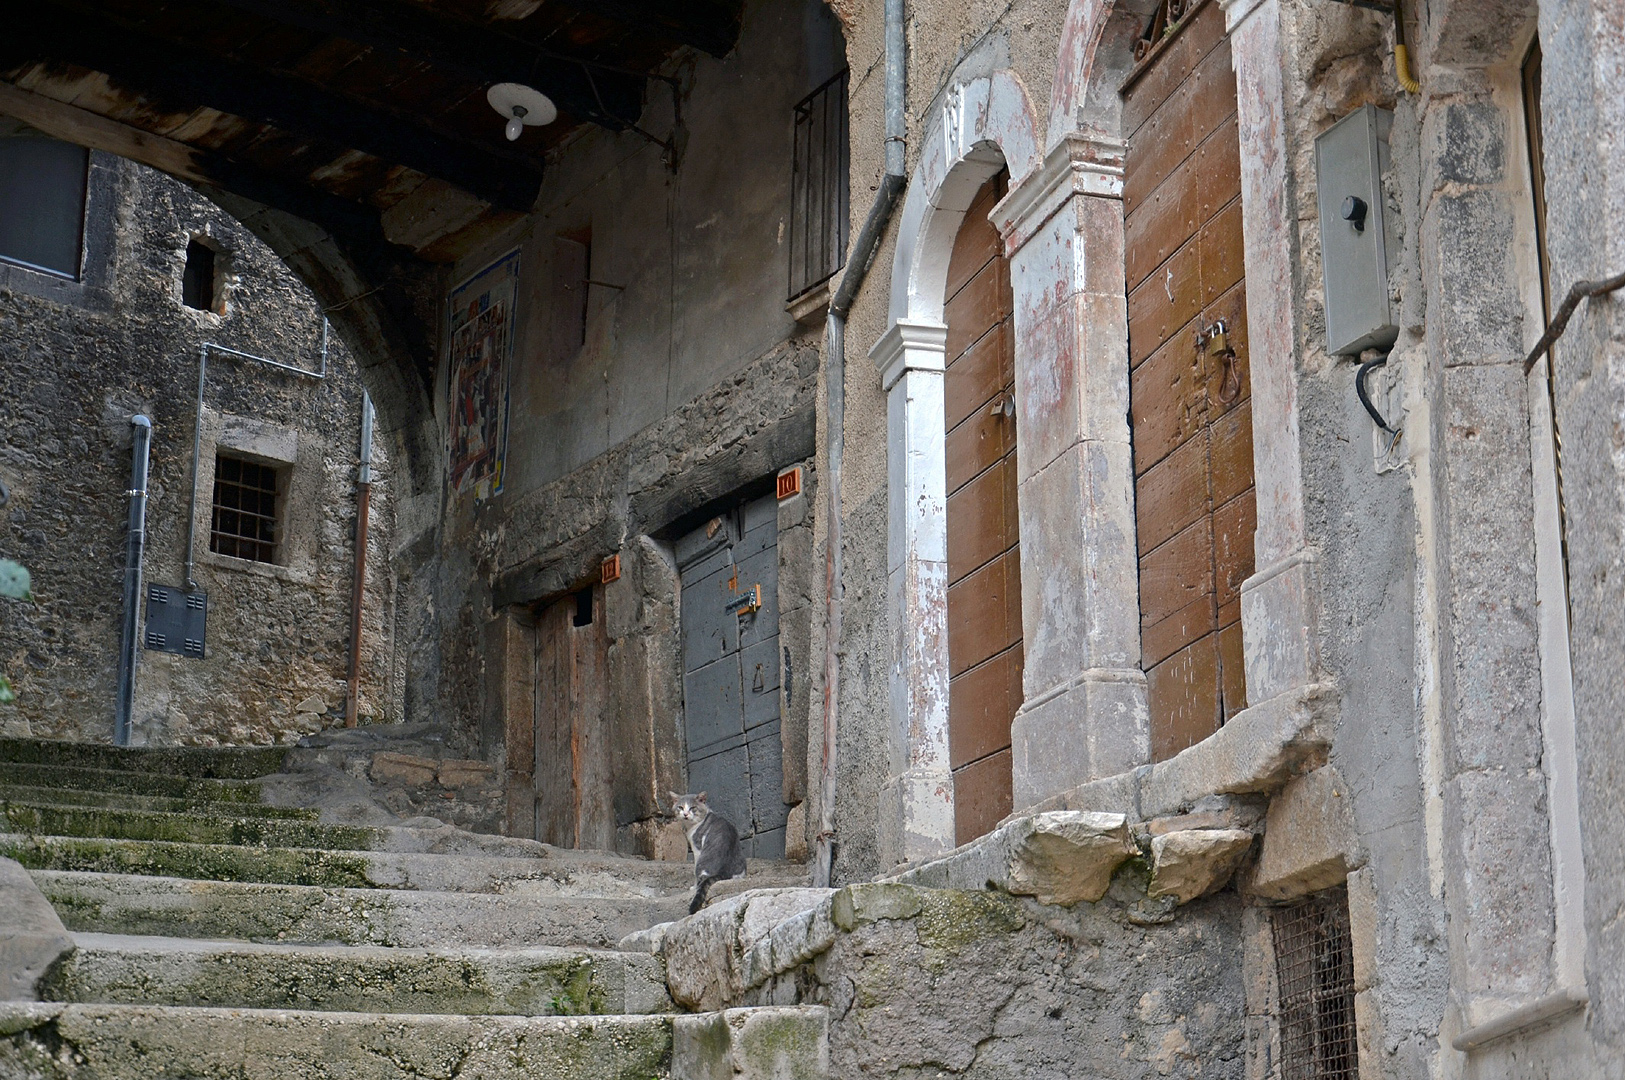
point(1314, 966)
point(819, 210)
point(243, 523)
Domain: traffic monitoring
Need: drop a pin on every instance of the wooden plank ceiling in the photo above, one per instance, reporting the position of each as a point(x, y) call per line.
point(365, 117)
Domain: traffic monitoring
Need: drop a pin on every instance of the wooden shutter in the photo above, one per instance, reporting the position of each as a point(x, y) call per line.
point(984, 571)
point(1190, 410)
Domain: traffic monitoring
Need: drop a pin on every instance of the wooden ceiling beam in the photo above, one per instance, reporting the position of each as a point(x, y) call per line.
point(185, 77)
point(709, 25)
point(474, 51)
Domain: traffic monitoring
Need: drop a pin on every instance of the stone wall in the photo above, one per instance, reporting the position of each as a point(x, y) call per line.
point(77, 359)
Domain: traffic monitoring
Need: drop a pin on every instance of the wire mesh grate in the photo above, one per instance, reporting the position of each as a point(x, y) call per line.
point(1314, 966)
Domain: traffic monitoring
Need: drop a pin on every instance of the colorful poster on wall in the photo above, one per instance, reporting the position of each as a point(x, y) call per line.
point(482, 333)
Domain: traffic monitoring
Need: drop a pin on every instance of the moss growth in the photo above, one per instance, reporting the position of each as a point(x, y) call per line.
point(951, 919)
point(236, 762)
point(578, 993)
point(207, 862)
point(871, 902)
point(107, 822)
point(122, 800)
point(136, 783)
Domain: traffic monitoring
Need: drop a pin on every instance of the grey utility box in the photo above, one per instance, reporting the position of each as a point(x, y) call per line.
point(1350, 158)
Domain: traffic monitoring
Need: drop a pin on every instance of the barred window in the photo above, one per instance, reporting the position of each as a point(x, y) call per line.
point(247, 507)
point(818, 187)
point(1314, 966)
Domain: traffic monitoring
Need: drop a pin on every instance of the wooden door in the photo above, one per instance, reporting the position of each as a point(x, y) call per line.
point(731, 671)
point(1190, 405)
point(984, 557)
point(573, 782)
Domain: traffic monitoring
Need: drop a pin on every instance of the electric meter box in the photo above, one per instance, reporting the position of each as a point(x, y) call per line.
point(1355, 248)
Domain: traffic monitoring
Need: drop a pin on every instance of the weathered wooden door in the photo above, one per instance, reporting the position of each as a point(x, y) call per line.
point(731, 671)
point(1190, 395)
point(984, 557)
point(573, 785)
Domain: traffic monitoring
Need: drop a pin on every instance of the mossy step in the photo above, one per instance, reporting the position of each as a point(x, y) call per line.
point(216, 862)
point(198, 827)
point(135, 783)
point(52, 1041)
point(249, 911)
point(211, 762)
point(117, 969)
point(120, 800)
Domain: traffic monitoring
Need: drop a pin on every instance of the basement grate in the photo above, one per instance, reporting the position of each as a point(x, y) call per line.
point(1314, 966)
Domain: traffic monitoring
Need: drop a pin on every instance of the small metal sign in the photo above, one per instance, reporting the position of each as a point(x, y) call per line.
point(177, 621)
point(746, 602)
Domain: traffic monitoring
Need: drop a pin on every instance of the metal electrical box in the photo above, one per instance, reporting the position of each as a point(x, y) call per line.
point(1350, 159)
point(176, 621)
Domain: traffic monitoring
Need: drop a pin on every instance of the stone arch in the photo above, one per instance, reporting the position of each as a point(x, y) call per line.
point(983, 125)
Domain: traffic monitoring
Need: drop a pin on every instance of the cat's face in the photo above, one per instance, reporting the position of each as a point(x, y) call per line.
point(689, 807)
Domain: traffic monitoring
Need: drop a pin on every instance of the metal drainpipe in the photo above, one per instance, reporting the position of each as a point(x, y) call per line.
point(863, 253)
point(135, 548)
point(363, 507)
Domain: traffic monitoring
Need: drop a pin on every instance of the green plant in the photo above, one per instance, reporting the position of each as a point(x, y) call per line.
point(14, 583)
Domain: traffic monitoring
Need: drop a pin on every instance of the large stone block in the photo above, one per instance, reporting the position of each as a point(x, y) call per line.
point(409, 770)
point(765, 1043)
point(707, 954)
point(34, 936)
point(1259, 750)
point(1192, 863)
point(1069, 855)
point(1310, 839)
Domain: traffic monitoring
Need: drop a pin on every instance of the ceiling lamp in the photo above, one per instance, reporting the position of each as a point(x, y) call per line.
point(522, 106)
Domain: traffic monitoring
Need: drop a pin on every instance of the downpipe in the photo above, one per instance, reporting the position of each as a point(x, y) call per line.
point(134, 552)
point(363, 509)
point(858, 264)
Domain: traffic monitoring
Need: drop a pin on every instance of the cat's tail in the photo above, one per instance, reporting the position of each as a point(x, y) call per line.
point(702, 887)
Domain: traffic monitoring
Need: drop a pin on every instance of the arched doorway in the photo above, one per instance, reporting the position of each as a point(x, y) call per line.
point(984, 568)
point(1189, 390)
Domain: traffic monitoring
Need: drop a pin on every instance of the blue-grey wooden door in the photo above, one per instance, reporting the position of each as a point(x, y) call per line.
point(731, 671)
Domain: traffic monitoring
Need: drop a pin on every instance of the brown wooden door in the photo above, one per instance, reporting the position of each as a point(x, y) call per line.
point(984, 557)
point(1190, 409)
point(574, 788)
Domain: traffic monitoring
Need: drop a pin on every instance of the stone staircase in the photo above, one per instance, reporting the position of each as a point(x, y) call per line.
point(204, 934)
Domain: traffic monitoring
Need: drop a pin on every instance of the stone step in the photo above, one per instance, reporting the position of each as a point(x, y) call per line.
point(549, 871)
point(200, 827)
point(224, 763)
point(173, 907)
point(54, 1041)
point(122, 800)
point(135, 783)
point(531, 981)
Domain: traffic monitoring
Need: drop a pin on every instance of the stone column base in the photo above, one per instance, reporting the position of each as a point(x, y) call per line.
point(916, 817)
point(1092, 726)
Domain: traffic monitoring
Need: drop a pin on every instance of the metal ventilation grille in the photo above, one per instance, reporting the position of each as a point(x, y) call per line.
point(1314, 966)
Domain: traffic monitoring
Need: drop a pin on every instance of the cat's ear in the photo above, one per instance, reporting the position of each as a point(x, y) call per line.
point(675, 798)
point(700, 797)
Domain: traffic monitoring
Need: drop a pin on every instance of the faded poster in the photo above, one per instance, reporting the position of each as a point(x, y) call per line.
point(482, 328)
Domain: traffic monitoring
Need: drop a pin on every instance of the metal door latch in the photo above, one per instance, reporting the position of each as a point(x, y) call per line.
point(747, 602)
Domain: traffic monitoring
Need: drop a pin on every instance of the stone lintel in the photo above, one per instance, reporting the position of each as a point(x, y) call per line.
point(1310, 839)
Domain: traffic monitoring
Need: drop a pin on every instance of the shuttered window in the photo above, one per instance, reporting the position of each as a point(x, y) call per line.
point(1190, 396)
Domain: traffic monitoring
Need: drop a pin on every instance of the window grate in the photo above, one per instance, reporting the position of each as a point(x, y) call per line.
point(1314, 965)
point(819, 209)
point(244, 520)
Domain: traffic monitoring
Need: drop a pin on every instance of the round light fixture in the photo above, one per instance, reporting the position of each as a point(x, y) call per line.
point(523, 106)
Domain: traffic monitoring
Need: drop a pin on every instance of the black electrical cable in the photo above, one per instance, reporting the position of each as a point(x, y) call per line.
point(1365, 398)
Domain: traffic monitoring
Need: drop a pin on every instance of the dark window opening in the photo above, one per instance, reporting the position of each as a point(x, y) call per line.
point(818, 187)
point(583, 615)
point(198, 280)
point(42, 203)
point(247, 505)
point(1314, 967)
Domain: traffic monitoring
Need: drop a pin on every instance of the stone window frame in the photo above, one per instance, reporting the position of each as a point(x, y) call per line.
point(224, 277)
point(299, 457)
point(92, 290)
point(1084, 716)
